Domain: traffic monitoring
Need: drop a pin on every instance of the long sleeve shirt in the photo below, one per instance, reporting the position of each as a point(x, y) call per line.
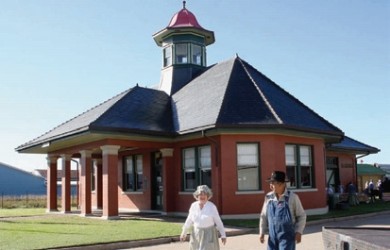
point(202, 218)
point(295, 206)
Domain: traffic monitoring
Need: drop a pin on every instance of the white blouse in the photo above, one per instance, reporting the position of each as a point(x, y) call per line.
point(203, 218)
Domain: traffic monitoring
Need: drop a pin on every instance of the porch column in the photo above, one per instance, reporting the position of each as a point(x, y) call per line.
point(110, 181)
point(168, 178)
point(51, 184)
point(85, 180)
point(97, 163)
point(65, 184)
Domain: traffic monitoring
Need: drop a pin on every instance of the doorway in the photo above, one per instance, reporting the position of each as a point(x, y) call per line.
point(157, 182)
point(332, 173)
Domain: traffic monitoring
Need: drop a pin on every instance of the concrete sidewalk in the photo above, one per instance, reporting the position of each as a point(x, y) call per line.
point(248, 239)
point(311, 240)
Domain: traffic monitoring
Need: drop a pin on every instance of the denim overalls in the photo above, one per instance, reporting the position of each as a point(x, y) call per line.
point(281, 227)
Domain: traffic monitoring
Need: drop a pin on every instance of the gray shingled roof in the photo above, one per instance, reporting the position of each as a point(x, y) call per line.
point(234, 94)
point(137, 109)
point(349, 144)
point(230, 94)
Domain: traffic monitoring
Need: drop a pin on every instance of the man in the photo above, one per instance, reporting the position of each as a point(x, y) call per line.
point(282, 217)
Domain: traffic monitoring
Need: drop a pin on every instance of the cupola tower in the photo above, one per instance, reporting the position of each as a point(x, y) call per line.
point(184, 44)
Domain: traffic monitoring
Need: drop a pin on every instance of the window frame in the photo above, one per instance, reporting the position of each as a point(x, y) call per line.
point(167, 56)
point(195, 56)
point(196, 169)
point(93, 177)
point(256, 166)
point(184, 59)
point(298, 165)
point(136, 173)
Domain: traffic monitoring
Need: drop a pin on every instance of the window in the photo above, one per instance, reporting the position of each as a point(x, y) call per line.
point(181, 53)
point(133, 173)
point(299, 165)
point(205, 165)
point(167, 56)
point(248, 166)
point(197, 54)
point(93, 177)
point(196, 167)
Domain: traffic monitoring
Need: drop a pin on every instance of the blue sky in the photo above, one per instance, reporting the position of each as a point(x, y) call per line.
point(60, 58)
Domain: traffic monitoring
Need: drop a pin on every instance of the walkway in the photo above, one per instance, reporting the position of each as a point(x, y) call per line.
point(246, 239)
point(311, 240)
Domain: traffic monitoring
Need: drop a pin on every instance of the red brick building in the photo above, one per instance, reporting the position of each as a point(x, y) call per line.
point(226, 125)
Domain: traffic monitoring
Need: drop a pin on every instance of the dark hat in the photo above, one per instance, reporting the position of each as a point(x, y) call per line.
point(278, 176)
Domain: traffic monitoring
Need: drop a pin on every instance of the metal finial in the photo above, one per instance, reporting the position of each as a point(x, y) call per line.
point(184, 4)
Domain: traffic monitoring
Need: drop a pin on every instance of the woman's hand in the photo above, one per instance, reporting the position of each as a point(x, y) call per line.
point(183, 237)
point(223, 241)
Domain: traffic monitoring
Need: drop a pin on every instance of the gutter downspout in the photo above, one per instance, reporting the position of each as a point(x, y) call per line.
point(217, 166)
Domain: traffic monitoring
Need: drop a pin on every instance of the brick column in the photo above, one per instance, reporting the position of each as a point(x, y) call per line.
point(98, 182)
point(51, 184)
point(65, 184)
point(110, 181)
point(85, 179)
point(168, 178)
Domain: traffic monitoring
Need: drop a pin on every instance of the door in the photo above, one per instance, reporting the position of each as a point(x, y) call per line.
point(332, 173)
point(157, 182)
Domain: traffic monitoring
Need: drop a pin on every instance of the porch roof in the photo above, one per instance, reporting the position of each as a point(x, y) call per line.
point(368, 169)
point(349, 144)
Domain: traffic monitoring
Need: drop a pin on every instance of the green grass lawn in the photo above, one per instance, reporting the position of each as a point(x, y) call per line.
point(42, 232)
point(21, 212)
point(33, 229)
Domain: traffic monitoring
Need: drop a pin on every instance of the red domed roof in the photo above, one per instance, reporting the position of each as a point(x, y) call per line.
point(183, 22)
point(184, 18)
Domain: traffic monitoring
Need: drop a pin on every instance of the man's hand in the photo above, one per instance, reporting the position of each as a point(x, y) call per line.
point(261, 238)
point(298, 237)
point(223, 241)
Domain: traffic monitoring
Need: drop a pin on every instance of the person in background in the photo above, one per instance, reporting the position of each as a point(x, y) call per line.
point(203, 221)
point(353, 200)
point(371, 194)
point(366, 188)
point(282, 216)
point(379, 185)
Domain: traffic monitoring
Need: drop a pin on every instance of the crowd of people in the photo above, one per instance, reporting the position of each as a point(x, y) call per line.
point(373, 190)
point(376, 189)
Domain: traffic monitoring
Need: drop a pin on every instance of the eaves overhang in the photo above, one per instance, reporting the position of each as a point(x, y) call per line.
point(45, 142)
point(160, 36)
point(327, 136)
point(354, 150)
point(87, 136)
point(349, 145)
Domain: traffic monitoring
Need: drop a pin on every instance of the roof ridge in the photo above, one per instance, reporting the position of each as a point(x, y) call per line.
point(71, 119)
point(269, 106)
point(295, 98)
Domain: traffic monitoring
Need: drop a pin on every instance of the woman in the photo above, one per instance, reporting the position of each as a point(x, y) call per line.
point(203, 221)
